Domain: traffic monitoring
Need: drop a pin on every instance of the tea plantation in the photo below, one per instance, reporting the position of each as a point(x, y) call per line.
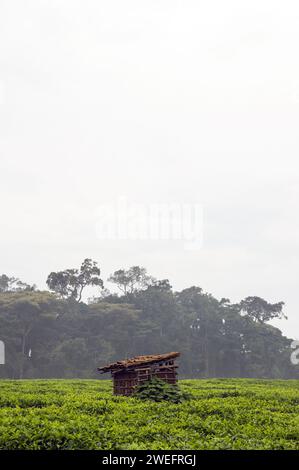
point(83, 414)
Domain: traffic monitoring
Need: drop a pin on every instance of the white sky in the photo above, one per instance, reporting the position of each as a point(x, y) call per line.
point(158, 101)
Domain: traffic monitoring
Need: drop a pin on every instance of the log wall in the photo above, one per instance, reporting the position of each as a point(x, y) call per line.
point(124, 382)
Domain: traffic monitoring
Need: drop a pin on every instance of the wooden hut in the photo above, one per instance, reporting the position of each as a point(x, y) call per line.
point(128, 373)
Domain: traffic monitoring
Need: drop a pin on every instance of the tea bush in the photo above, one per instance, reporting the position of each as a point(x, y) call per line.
point(158, 390)
point(83, 414)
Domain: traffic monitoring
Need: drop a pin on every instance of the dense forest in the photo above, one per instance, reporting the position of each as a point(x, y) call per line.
point(54, 333)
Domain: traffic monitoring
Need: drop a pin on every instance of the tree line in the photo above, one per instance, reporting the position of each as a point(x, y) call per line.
point(54, 333)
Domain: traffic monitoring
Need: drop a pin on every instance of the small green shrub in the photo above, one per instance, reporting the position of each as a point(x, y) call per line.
point(158, 390)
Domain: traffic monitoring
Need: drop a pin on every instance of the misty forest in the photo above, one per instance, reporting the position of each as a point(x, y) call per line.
point(55, 334)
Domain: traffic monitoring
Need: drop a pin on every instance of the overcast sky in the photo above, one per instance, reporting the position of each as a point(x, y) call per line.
point(158, 101)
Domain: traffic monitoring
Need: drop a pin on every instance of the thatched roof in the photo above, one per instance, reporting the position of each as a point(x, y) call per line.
point(138, 361)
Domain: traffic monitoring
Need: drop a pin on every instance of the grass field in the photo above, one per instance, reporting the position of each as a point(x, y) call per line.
point(83, 414)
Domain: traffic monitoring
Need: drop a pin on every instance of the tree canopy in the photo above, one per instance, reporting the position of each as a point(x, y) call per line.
point(57, 334)
point(69, 284)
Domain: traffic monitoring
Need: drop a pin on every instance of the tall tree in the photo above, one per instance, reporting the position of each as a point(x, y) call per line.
point(13, 284)
point(261, 311)
point(23, 313)
point(131, 280)
point(70, 284)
